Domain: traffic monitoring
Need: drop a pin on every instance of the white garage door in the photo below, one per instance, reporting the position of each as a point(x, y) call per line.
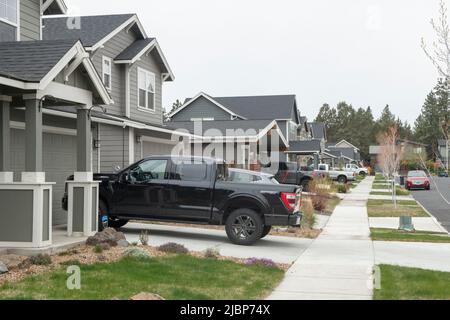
point(156, 149)
point(59, 160)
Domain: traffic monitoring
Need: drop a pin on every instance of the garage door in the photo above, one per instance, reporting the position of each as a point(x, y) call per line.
point(157, 149)
point(59, 162)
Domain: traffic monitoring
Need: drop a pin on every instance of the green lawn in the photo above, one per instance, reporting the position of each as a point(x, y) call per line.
point(398, 283)
point(417, 236)
point(380, 186)
point(400, 192)
point(174, 278)
point(387, 209)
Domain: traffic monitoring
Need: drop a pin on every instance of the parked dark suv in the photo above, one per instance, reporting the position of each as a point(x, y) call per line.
point(195, 190)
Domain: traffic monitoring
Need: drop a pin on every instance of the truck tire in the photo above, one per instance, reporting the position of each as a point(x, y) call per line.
point(305, 185)
point(363, 174)
point(342, 179)
point(244, 227)
point(105, 221)
point(266, 231)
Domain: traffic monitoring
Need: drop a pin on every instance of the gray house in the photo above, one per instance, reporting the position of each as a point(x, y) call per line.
point(78, 95)
point(251, 114)
point(38, 147)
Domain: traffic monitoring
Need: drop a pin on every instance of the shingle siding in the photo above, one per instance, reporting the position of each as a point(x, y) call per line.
point(30, 20)
point(7, 32)
point(201, 108)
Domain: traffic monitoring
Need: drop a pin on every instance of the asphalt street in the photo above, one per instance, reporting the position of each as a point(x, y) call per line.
point(434, 203)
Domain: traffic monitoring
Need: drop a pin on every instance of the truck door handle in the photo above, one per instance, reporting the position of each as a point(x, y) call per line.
point(200, 189)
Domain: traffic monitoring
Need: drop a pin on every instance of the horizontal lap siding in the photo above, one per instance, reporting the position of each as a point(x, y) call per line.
point(147, 63)
point(114, 147)
point(30, 23)
point(201, 108)
point(111, 50)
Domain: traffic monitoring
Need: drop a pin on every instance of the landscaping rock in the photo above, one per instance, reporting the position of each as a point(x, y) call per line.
point(13, 261)
point(109, 236)
point(123, 244)
point(3, 268)
point(144, 296)
point(137, 253)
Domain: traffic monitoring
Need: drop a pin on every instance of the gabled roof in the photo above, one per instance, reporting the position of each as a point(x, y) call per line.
point(305, 147)
point(277, 107)
point(94, 31)
point(140, 47)
point(33, 65)
point(346, 152)
point(229, 130)
point(345, 141)
point(318, 129)
point(31, 61)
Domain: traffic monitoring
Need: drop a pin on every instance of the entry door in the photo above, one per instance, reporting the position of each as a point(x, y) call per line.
point(189, 192)
point(140, 190)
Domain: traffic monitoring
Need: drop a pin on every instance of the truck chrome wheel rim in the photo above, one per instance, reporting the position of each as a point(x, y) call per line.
point(244, 227)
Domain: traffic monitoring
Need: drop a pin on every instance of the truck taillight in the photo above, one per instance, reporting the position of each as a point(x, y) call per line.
point(289, 199)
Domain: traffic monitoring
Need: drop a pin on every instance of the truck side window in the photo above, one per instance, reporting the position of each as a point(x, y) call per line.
point(149, 170)
point(190, 171)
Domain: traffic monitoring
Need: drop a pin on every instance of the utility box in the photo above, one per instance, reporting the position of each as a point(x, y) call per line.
point(406, 224)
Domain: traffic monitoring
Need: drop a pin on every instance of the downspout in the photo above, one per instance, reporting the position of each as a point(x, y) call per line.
point(127, 91)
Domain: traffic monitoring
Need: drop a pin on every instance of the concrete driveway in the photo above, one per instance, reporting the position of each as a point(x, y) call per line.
point(434, 203)
point(279, 249)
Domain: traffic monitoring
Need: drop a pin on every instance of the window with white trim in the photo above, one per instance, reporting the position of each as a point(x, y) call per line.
point(9, 11)
point(146, 89)
point(107, 72)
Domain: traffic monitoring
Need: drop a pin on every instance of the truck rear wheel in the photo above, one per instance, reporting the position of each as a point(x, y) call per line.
point(266, 231)
point(342, 179)
point(244, 227)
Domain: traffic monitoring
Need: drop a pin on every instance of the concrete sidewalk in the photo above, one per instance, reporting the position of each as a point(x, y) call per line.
point(339, 264)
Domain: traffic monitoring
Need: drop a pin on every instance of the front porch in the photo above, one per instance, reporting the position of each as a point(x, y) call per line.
point(27, 199)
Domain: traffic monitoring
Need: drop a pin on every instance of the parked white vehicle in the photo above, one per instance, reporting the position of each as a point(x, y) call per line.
point(246, 176)
point(356, 169)
point(334, 174)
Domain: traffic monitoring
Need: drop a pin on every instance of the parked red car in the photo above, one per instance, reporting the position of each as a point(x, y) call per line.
point(417, 180)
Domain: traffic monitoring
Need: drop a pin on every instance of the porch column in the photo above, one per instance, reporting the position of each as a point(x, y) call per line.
point(34, 172)
point(26, 207)
point(316, 161)
point(5, 175)
point(83, 190)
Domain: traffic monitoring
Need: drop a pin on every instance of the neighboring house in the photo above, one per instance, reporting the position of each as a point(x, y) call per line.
point(348, 152)
point(252, 114)
point(39, 145)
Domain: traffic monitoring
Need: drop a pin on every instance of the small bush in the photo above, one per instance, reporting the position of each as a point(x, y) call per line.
point(309, 218)
point(143, 238)
point(343, 188)
point(261, 262)
point(136, 253)
point(134, 244)
point(212, 253)
point(173, 248)
point(98, 249)
point(41, 260)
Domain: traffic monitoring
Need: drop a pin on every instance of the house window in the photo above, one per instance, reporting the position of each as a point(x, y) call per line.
point(9, 11)
point(107, 72)
point(147, 84)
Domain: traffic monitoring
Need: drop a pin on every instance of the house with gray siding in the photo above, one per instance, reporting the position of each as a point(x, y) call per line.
point(49, 90)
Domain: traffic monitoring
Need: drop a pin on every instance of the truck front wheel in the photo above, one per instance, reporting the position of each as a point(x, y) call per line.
point(105, 221)
point(342, 179)
point(244, 227)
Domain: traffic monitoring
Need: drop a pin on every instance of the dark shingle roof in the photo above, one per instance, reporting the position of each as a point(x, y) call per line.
point(93, 28)
point(305, 146)
point(222, 126)
point(31, 61)
point(346, 152)
point(259, 107)
point(318, 130)
point(133, 50)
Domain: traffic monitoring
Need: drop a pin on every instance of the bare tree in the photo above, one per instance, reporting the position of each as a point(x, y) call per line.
point(439, 55)
point(390, 156)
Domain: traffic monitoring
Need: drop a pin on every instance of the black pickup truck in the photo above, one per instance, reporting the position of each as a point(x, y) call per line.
point(290, 173)
point(195, 190)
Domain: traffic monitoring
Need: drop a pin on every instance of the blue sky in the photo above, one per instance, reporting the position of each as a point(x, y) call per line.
point(364, 52)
